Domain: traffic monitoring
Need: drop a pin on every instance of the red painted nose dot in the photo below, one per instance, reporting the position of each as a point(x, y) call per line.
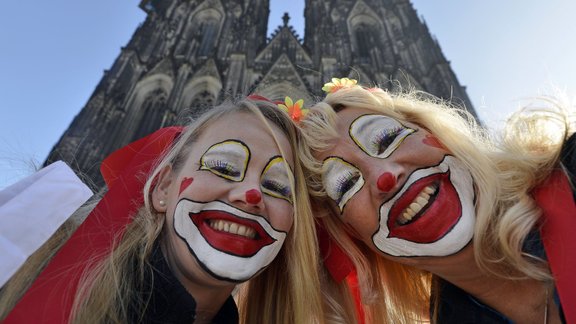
point(253, 196)
point(386, 182)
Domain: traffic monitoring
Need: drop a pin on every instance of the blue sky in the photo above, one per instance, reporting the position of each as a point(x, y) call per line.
point(55, 52)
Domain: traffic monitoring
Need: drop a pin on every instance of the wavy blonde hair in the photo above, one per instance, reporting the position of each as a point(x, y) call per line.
point(505, 171)
point(287, 291)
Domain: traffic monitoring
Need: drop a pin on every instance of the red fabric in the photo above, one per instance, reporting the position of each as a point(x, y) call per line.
point(50, 298)
point(256, 97)
point(352, 282)
point(558, 228)
point(337, 262)
point(340, 267)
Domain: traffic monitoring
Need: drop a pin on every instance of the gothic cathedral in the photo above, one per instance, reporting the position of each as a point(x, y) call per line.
point(191, 54)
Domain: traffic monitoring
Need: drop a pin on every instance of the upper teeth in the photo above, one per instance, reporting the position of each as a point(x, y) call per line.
point(233, 228)
point(419, 202)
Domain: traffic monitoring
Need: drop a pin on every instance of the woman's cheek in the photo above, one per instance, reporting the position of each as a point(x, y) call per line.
point(433, 141)
point(185, 183)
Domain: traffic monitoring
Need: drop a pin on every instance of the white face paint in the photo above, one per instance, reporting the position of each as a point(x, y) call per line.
point(398, 188)
point(432, 215)
point(341, 180)
point(276, 179)
point(251, 245)
point(228, 159)
point(377, 135)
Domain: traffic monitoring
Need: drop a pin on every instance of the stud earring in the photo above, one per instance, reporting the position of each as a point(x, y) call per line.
point(162, 203)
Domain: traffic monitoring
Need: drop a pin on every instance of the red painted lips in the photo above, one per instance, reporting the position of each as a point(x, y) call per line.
point(436, 219)
point(227, 242)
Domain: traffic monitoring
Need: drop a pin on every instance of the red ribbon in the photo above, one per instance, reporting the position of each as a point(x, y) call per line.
point(50, 298)
point(340, 267)
point(555, 198)
point(256, 97)
point(336, 261)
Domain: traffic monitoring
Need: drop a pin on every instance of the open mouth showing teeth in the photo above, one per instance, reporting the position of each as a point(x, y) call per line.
point(232, 228)
point(231, 233)
point(418, 206)
point(425, 211)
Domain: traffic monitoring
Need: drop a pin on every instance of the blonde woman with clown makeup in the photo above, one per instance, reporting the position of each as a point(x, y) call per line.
point(225, 205)
point(423, 203)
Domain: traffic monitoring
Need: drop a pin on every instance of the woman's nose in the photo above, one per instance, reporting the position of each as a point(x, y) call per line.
point(253, 196)
point(386, 182)
point(247, 196)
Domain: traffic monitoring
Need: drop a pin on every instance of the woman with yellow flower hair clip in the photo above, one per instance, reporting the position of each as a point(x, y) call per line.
point(422, 202)
point(190, 213)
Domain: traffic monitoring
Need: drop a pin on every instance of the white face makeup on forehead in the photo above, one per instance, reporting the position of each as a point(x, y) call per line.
point(233, 207)
point(397, 187)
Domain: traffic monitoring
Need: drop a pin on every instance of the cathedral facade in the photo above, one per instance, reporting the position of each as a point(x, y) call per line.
point(189, 55)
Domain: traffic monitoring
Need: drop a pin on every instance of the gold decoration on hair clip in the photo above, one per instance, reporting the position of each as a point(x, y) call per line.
point(294, 109)
point(338, 84)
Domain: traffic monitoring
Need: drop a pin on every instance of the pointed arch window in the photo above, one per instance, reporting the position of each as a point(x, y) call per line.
point(208, 33)
point(366, 39)
point(152, 113)
point(200, 35)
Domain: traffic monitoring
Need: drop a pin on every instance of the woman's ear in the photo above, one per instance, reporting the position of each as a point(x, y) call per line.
point(160, 193)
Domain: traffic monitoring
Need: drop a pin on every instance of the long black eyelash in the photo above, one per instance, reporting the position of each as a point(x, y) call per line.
point(277, 187)
point(222, 167)
point(344, 183)
point(382, 140)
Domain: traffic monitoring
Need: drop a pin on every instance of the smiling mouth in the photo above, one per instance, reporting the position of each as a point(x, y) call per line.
point(418, 206)
point(230, 233)
point(426, 211)
point(232, 228)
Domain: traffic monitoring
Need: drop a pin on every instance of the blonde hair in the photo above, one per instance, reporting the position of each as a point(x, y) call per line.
point(288, 291)
point(504, 173)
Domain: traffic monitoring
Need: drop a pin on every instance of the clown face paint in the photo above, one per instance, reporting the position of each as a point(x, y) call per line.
point(184, 184)
point(229, 222)
point(229, 243)
point(342, 180)
point(276, 181)
point(397, 187)
point(377, 135)
point(228, 160)
point(432, 215)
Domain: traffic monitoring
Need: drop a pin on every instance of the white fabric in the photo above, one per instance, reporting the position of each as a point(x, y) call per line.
point(32, 209)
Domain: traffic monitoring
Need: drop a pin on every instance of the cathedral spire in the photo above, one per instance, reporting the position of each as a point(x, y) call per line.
point(286, 19)
point(189, 55)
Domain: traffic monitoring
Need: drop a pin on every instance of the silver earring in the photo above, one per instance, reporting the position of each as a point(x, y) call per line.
point(162, 203)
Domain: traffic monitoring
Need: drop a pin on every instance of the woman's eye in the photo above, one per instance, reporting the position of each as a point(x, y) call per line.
point(276, 179)
point(384, 139)
point(277, 189)
point(377, 135)
point(341, 180)
point(345, 183)
point(228, 159)
point(222, 167)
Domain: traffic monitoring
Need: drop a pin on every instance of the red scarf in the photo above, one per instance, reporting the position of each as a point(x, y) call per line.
point(50, 298)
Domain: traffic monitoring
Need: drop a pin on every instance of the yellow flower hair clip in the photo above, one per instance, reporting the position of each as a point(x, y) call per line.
point(338, 84)
point(294, 109)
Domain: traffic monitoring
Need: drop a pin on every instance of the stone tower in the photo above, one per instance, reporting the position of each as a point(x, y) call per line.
point(191, 54)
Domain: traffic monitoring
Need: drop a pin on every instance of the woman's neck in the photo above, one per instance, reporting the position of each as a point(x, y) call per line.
point(209, 293)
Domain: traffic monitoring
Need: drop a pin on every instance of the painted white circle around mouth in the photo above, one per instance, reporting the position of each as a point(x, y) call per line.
point(219, 264)
point(453, 241)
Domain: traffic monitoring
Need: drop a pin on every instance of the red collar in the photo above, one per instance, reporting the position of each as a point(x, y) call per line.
point(555, 198)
